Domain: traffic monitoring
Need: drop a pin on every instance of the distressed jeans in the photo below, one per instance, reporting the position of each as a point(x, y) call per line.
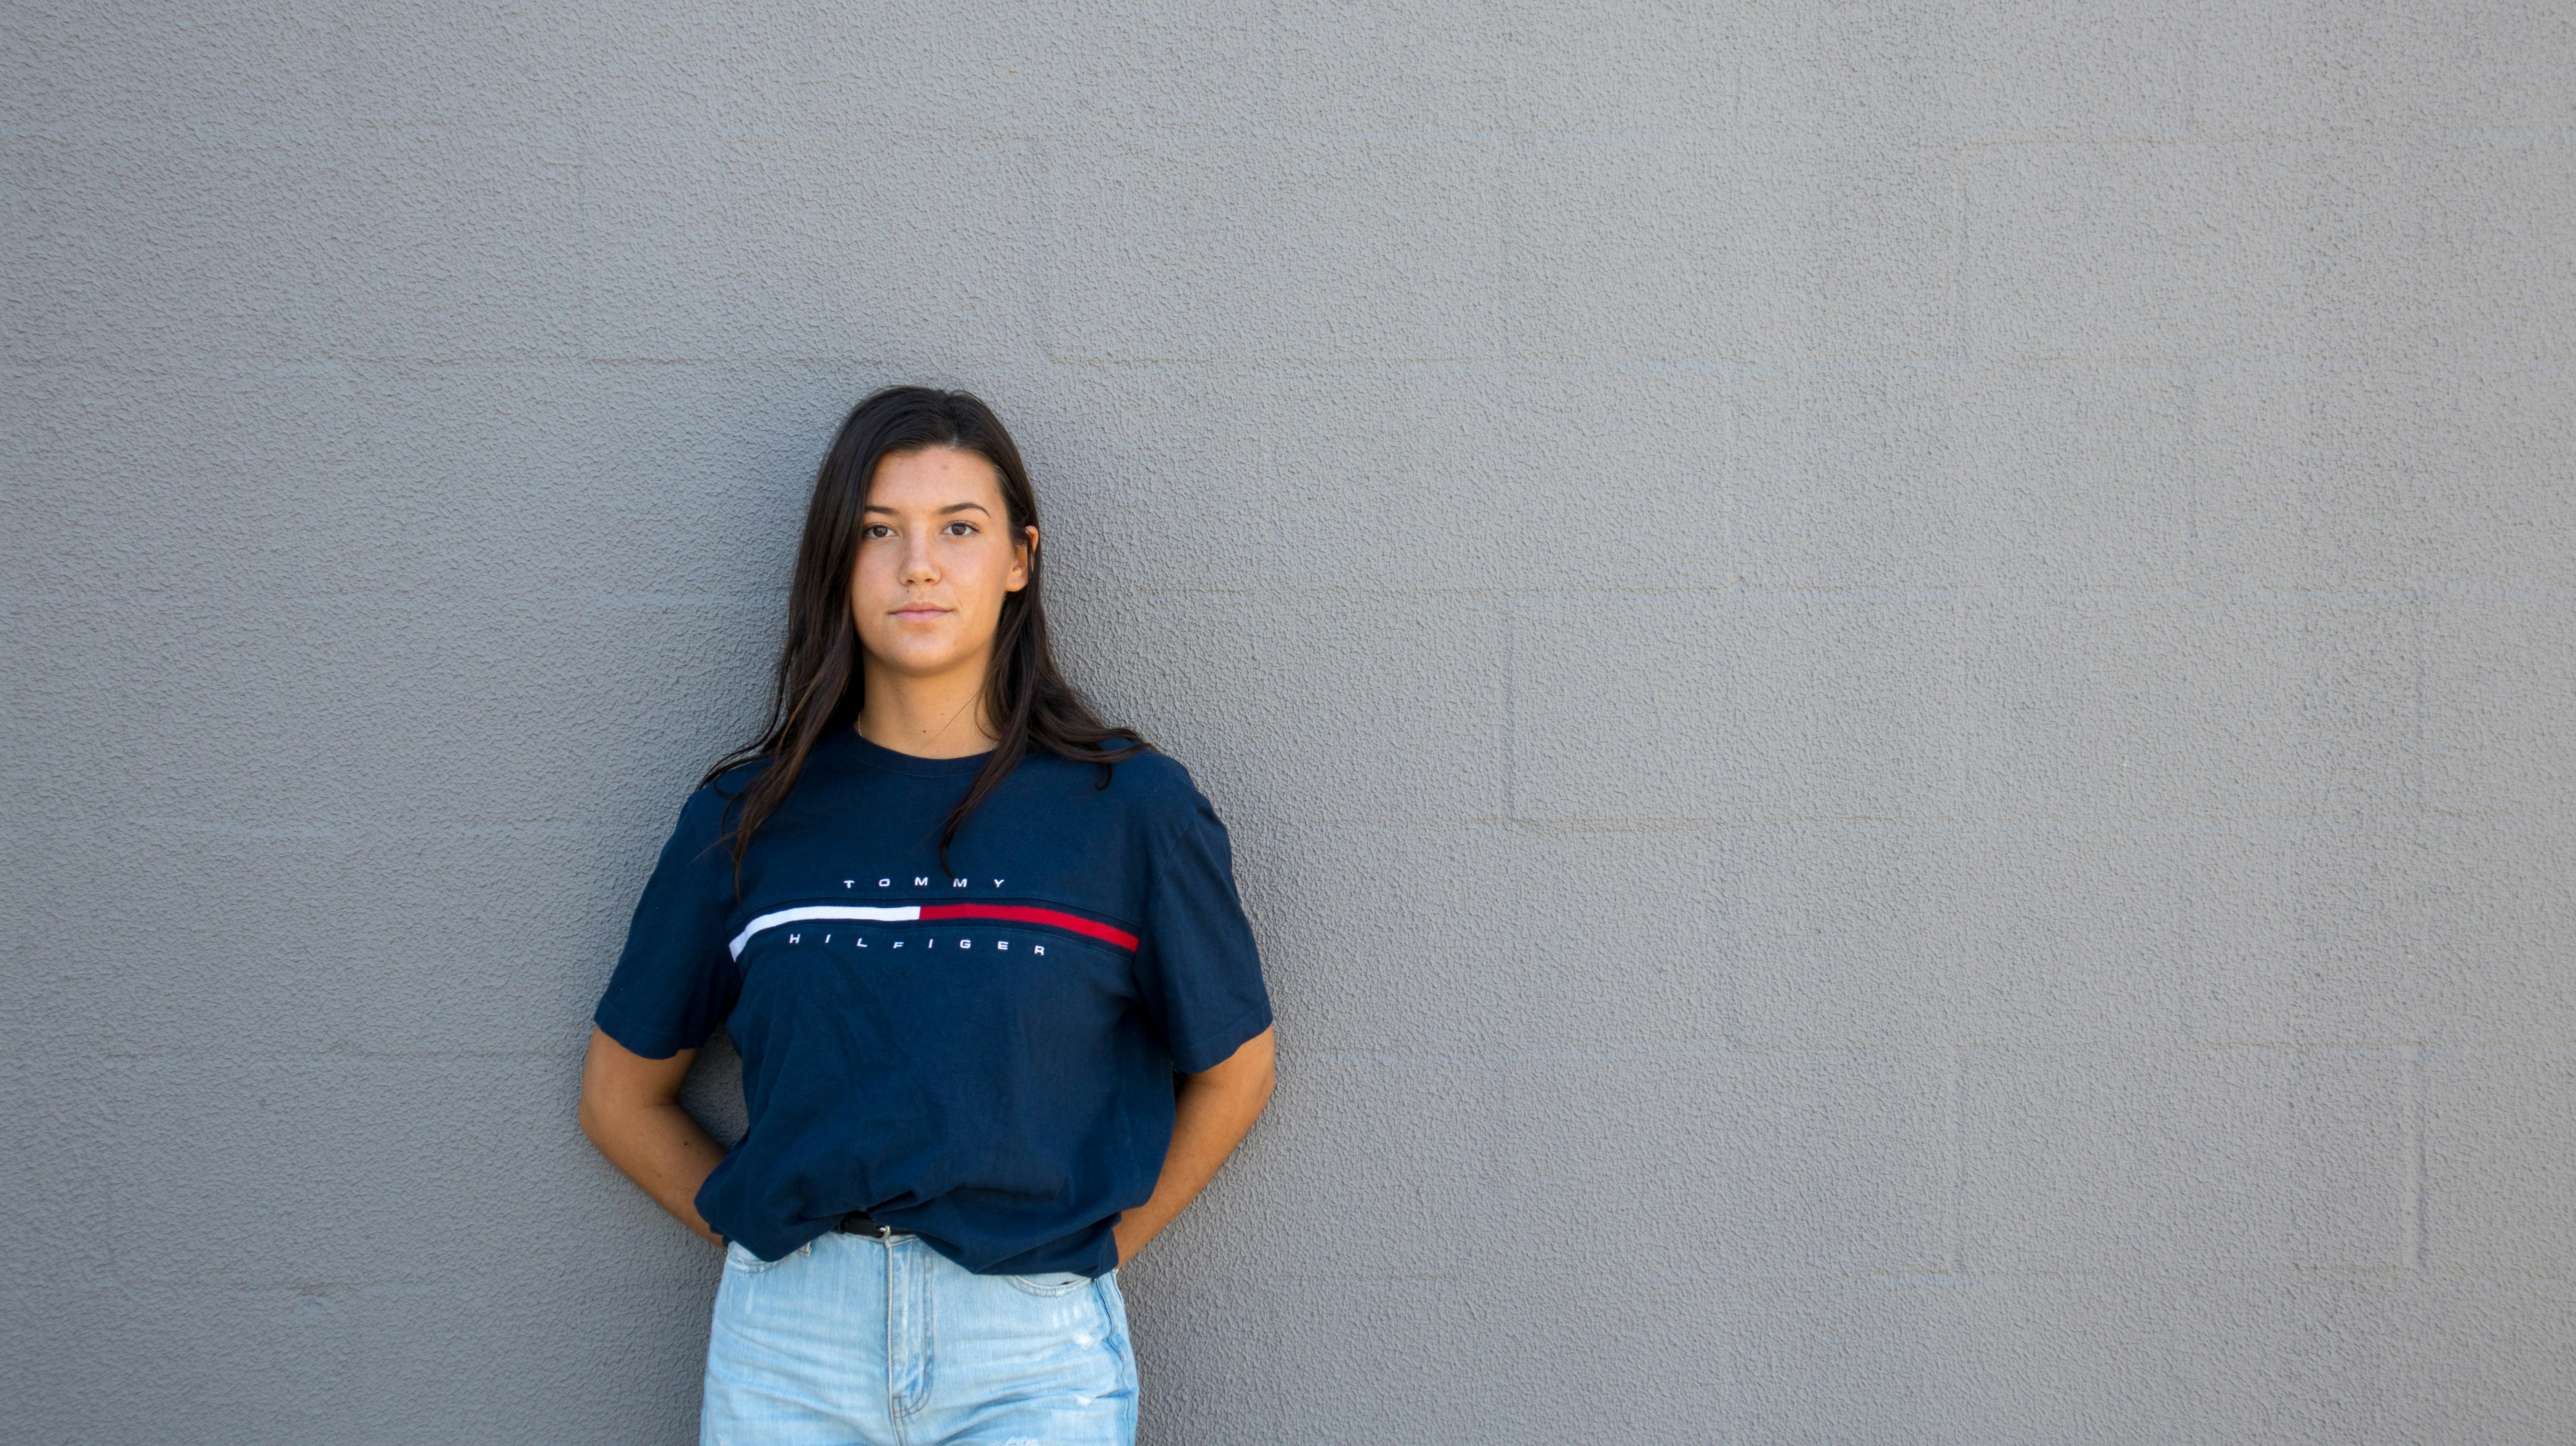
point(856, 1341)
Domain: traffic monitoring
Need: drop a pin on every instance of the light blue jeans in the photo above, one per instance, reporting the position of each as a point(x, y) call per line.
point(855, 1341)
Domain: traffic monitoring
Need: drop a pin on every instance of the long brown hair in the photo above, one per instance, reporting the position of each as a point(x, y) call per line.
point(1028, 704)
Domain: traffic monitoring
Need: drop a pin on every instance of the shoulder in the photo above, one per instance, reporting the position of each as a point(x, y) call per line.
point(1159, 794)
point(704, 815)
point(729, 784)
point(1148, 787)
point(1154, 776)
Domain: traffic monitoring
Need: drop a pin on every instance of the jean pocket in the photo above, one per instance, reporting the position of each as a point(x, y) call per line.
point(1058, 1282)
point(741, 1259)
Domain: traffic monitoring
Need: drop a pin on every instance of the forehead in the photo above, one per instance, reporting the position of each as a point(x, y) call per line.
point(934, 477)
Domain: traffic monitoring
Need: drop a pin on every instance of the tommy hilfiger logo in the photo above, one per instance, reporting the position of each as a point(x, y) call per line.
point(857, 941)
point(921, 881)
point(907, 913)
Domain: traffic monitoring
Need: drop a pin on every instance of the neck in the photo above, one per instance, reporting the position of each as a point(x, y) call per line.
point(940, 716)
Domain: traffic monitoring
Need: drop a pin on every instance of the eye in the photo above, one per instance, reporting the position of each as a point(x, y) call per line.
point(961, 528)
point(876, 529)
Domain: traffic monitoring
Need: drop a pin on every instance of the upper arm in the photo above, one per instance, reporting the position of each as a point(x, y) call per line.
point(614, 1077)
point(1251, 1069)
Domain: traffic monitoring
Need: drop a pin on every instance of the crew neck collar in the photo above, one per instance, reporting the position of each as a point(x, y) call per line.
point(876, 755)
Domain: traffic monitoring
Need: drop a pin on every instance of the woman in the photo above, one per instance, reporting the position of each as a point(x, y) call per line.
point(999, 1012)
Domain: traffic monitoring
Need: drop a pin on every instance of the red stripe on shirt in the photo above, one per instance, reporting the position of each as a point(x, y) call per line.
point(1018, 914)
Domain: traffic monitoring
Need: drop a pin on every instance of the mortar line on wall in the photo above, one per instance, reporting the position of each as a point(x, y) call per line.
point(1958, 268)
point(2191, 83)
point(1961, 684)
point(1951, 1182)
point(2412, 1206)
point(2193, 492)
point(2414, 605)
point(1511, 720)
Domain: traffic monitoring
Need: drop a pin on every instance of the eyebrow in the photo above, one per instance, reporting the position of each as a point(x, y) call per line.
point(944, 511)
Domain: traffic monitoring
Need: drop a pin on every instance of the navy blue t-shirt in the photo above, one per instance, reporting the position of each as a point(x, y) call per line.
point(985, 1057)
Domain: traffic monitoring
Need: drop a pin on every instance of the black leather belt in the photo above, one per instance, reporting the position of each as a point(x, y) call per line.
point(858, 1223)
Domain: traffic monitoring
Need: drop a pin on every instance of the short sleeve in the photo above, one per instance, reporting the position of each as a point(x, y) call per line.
point(1197, 964)
point(676, 980)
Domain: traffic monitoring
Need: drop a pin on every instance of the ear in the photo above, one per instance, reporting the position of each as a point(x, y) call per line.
point(1023, 555)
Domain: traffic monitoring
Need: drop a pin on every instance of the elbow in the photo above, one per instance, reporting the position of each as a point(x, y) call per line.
point(599, 1114)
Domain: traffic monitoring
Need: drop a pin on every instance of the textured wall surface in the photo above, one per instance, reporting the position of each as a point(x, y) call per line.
point(1894, 683)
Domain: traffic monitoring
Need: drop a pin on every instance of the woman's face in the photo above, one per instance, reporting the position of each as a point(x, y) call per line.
point(936, 558)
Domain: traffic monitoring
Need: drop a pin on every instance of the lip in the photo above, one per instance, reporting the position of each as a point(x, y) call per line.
point(921, 612)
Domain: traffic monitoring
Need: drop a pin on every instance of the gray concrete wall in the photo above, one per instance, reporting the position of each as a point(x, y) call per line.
point(1893, 681)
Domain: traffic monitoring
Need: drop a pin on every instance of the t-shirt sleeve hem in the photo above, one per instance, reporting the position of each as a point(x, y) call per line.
point(638, 1040)
point(1207, 1051)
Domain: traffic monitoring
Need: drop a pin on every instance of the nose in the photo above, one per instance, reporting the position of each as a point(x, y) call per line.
point(919, 565)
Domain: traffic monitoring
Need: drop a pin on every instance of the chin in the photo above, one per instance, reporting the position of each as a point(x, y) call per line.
point(924, 662)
